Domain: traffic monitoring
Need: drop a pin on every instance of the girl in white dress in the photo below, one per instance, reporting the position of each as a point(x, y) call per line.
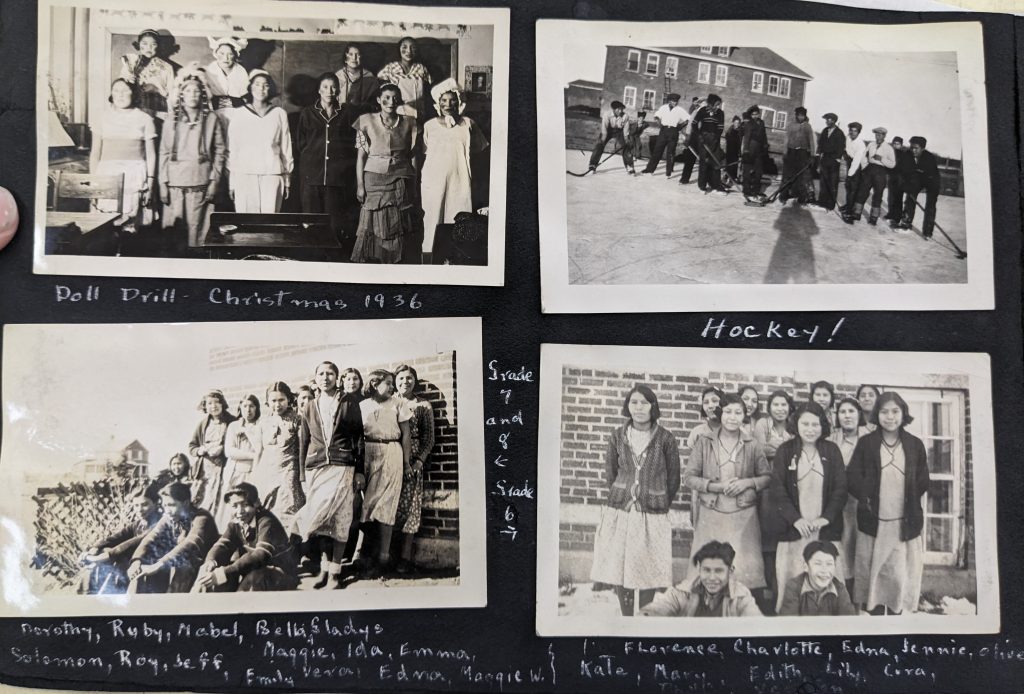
point(388, 447)
point(449, 141)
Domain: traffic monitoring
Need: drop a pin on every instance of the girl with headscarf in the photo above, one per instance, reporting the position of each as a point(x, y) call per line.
point(260, 159)
point(227, 79)
point(412, 78)
point(192, 156)
point(151, 75)
point(449, 141)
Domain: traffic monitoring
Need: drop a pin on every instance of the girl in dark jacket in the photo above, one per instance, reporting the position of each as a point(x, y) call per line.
point(807, 493)
point(888, 475)
point(633, 543)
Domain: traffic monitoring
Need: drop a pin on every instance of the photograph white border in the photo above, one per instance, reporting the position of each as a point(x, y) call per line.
point(896, 368)
point(558, 295)
point(429, 335)
point(493, 274)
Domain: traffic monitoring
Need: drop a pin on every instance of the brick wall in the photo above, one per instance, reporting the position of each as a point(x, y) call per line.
point(591, 408)
point(436, 385)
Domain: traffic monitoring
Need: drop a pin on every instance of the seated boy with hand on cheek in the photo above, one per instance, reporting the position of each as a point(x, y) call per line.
point(714, 593)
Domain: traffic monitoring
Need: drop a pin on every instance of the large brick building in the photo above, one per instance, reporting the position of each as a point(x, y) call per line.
point(640, 77)
point(592, 407)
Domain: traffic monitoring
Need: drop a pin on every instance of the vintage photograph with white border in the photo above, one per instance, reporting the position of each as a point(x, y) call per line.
point(634, 440)
point(125, 498)
point(725, 165)
point(136, 105)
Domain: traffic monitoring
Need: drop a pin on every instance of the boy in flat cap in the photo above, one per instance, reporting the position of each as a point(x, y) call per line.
point(856, 159)
point(799, 152)
point(672, 119)
point(921, 172)
point(831, 148)
point(895, 196)
point(881, 158)
point(253, 553)
point(615, 126)
point(708, 125)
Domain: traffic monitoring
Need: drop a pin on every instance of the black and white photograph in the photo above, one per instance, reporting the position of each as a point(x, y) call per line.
point(331, 137)
point(331, 463)
point(701, 158)
point(778, 492)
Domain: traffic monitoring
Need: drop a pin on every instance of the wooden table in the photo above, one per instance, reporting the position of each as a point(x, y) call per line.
point(85, 221)
point(294, 235)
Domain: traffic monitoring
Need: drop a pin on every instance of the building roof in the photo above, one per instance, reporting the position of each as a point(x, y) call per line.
point(744, 56)
point(586, 84)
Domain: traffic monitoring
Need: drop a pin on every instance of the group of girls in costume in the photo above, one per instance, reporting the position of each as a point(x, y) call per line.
point(768, 483)
point(206, 137)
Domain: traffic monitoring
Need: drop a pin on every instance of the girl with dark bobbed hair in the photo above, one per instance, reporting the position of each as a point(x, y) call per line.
point(888, 475)
point(807, 494)
point(633, 543)
point(728, 469)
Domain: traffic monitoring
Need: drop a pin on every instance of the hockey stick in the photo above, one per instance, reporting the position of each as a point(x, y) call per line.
point(960, 253)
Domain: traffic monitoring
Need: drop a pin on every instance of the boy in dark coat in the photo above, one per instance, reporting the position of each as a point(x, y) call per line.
point(168, 558)
point(708, 124)
point(831, 150)
point(817, 592)
point(755, 148)
point(733, 145)
point(895, 185)
point(253, 553)
point(921, 172)
point(106, 563)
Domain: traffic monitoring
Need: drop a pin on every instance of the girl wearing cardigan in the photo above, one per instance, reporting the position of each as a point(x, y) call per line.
point(633, 543)
point(207, 447)
point(728, 469)
point(888, 475)
point(807, 494)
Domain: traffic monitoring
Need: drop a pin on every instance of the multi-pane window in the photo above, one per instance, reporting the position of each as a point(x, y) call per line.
point(779, 86)
point(652, 63)
point(629, 97)
point(939, 423)
point(633, 61)
point(757, 83)
point(671, 66)
point(721, 75)
point(648, 103)
point(704, 73)
point(768, 116)
point(780, 120)
point(707, 49)
point(723, 51)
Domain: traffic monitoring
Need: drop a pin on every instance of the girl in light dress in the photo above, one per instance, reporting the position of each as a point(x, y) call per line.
point(261, 161)
point(888, 475)
point(228, 80)
point(449, 141)
point(242, 446)
point(276, 474)
point(126, 146)
point(633, 542)
point(207, 448)
point(850, 420)
point(388, 448)
point(729, 470)
point(411, 77)
point(808, 492)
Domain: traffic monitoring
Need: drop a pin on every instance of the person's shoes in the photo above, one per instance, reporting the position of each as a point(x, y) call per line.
point(926, 237)
point(322, 581)
point(591, 168)
point(632, 171)
point(404, 566)
point(905, 225)
point(851, 218)
point(872, 221)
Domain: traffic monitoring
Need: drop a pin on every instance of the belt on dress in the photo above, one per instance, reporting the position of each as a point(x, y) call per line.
point(369, 440)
